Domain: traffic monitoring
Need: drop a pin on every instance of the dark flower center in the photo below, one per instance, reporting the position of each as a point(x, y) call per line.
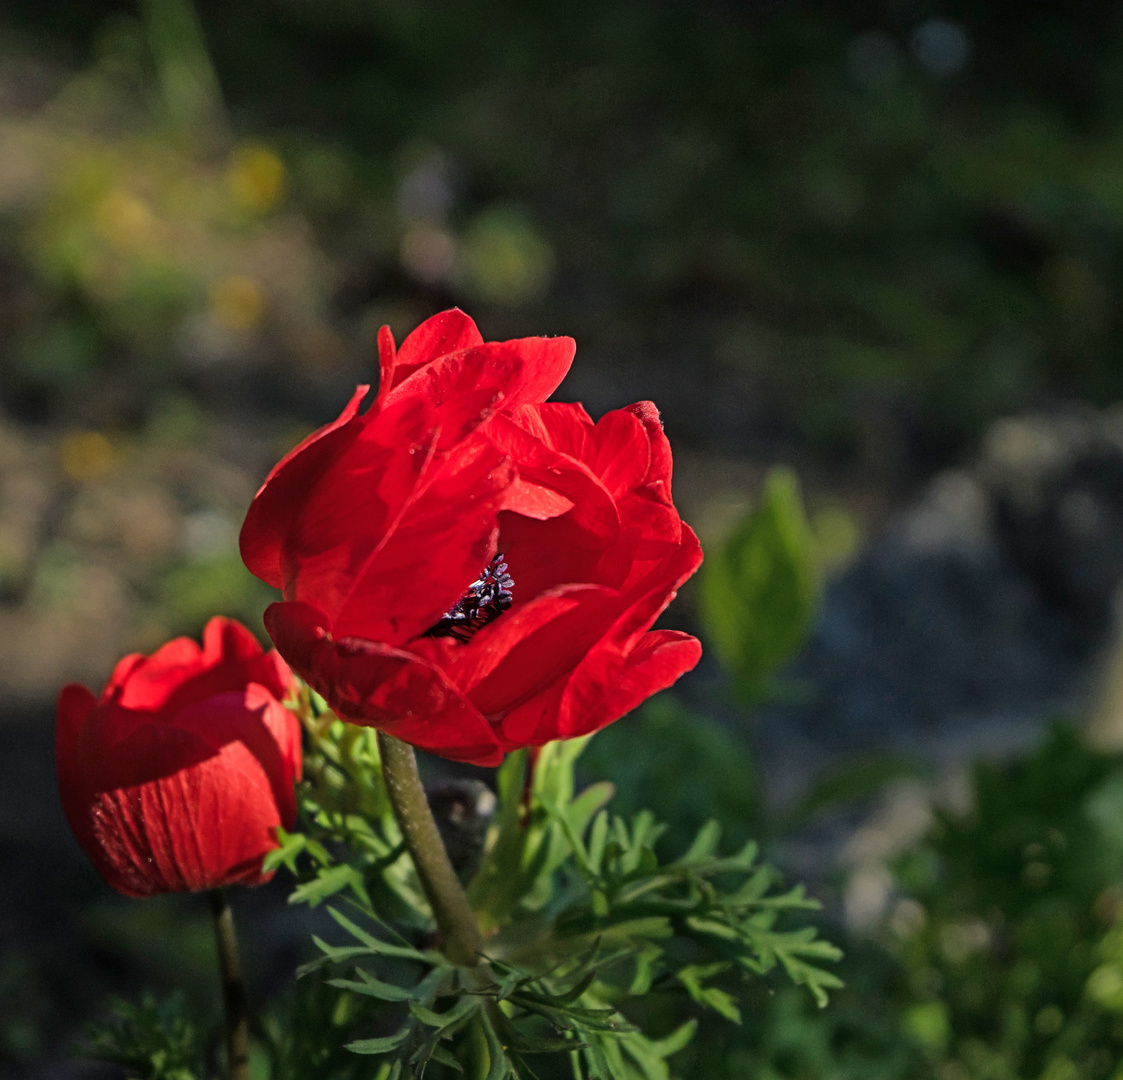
point(486, 599)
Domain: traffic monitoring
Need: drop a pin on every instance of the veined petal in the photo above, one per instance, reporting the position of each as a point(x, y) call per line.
point(185, 828)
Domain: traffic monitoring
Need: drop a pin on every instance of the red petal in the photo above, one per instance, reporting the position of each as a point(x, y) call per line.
point(449, 331)
point(180, 673)
point(527, 649)
point(540, 465)
point(620, 452)
point(604, 687)
point(193, 826)
point(270, 517)
point(535, 501)
point(342, 514)
point(358, 517)
point(660, 468)
point(146, 682)
point(264, 726)
point(545, 555)
point(435, 549)
point(371, 683)
point(617, 449)
point(561, 425)
point(652, 586)
point(525, 370)
point(387, 362)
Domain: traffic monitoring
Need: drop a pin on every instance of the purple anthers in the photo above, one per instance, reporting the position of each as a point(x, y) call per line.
point(486, 599)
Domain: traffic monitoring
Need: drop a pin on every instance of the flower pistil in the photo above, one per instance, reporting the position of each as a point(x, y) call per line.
point(486, 599)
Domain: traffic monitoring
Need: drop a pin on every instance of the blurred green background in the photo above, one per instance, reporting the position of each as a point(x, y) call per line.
point(844, 237)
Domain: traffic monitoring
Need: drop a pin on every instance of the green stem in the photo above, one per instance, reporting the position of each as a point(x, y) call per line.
point(460, 933)
point(233, 987)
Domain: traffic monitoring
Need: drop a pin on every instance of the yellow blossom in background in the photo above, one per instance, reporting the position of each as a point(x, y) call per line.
point(125, 221)
point(86, 455)
point(238, 303)
point(256, 178)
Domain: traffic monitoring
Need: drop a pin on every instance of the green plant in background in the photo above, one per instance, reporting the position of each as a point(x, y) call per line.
point(1010, 916)
point(759, 590)
point(151, 1039)
point(922, 247)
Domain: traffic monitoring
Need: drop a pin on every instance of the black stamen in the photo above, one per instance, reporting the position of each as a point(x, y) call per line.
point(486, 599)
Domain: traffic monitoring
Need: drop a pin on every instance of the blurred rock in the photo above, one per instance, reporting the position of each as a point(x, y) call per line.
point(979, 613)
point(1056, 485)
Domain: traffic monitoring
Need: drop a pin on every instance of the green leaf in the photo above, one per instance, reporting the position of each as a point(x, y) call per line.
point(327, 883)
point(758, 591)
point(703, 846)
point(442, 1055)
point(380, 1046)
point(722, 1002)
point(377, 945)
point(674, 1042)
point(498, 1066)
point(464, 1007)
point(582, 809)
point(291, 845)
point(372, 987)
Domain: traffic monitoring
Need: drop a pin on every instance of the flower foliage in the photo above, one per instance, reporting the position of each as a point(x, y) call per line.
point(582, 917)
point(178, 776)
point(383, 527)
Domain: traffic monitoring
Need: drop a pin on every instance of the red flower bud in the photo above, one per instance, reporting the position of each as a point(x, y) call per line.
point(177, 779)
point(467, 568)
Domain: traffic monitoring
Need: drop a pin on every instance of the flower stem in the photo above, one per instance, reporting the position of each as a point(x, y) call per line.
point(233, 987)
point(459, 930)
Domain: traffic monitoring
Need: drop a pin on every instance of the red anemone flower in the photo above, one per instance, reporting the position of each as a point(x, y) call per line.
point(177, 778)
point(467, 568)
